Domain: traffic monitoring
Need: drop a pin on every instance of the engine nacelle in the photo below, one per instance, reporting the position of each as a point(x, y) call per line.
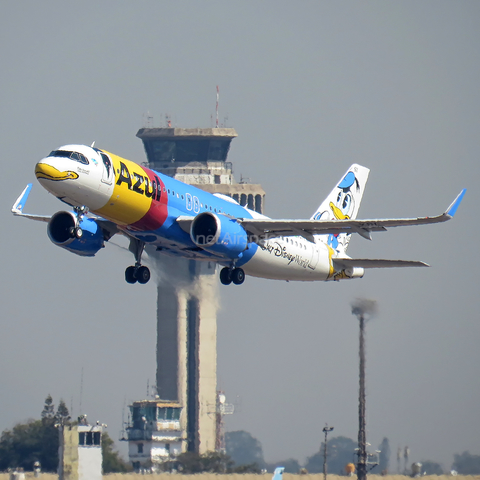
point(218, 234)
point(354, 272)
point(60, 229)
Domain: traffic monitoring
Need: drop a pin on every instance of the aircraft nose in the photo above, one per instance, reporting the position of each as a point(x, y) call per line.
point(48, 169)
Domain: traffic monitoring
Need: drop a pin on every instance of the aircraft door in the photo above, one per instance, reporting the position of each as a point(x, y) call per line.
point(107, 172)
point(315, 255)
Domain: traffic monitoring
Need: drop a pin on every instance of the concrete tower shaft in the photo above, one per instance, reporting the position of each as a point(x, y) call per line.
point(187, 294)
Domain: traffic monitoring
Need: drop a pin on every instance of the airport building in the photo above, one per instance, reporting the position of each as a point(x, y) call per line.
point(186, 413)
point(80, 451)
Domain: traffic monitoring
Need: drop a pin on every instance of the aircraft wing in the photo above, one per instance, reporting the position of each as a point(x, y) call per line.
point(109, 228)
point(263, 228)
point(17, 208)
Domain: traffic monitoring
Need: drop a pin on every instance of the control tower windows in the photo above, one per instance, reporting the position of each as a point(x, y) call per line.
point(186, 151)
point(163, 151)
point(168, 413)
point(89, 438)
point(218, 150)
point(258, 203)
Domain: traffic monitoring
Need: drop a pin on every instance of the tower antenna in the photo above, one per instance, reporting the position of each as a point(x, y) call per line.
point(81, 392)
point(216, 109)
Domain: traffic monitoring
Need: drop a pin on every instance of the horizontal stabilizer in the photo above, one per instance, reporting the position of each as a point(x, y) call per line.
point(373, 263)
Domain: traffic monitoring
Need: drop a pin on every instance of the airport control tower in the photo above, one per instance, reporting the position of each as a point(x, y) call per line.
point(198, 156)
point(188, 291)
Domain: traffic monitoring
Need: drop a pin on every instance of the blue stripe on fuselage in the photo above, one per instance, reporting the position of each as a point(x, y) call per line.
point(187, 200)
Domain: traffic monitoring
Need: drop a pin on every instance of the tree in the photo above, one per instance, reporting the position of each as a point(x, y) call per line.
point(466, 464)
point(62, 415)
point(340, 451)
point(112, 462)
point(244, 449)
point(27, 443)
point(211, 462)
point(384, 457)
point(37, 440)
point(48, 412)
point(291, 466)
point(431, 468)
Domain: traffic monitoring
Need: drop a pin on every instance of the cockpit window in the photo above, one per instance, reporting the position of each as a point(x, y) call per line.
point(73, 155)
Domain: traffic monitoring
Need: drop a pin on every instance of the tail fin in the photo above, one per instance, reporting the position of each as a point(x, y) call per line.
point(343, 203)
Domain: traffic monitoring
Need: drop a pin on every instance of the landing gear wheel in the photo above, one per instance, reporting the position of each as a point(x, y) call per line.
point(75, 232)
point(130, 276)
point(225, 276)
point(142, 275)
point(238, 276)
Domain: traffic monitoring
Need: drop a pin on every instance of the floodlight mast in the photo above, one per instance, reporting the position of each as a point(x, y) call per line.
point(362, 440)
point(362, 308)
point(326, 430)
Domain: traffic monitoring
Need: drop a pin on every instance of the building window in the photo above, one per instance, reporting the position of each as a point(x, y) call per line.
point(139, 447)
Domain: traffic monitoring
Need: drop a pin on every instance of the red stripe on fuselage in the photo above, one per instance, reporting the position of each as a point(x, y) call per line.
point(158, 211)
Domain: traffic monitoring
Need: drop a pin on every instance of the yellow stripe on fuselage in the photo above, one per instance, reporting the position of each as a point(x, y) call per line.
point(127, 204)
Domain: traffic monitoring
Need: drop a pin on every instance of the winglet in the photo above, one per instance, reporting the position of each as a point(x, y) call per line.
point(278, 473)
point(17, 208)
point(452, 209)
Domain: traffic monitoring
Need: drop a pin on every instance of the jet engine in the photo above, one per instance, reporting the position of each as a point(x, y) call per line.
point(218, 234)
point(355, 272)
point(83, 237)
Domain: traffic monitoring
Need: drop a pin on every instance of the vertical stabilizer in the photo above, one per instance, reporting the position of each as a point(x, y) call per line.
point(343, 203)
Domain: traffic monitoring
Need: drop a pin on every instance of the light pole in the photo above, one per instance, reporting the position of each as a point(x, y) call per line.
point(362, 308)
point(326, 430)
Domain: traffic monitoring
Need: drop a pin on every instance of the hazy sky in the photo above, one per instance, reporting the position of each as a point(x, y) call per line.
point(311, 87)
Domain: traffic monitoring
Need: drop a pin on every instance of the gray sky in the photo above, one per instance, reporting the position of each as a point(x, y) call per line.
point(311, 87)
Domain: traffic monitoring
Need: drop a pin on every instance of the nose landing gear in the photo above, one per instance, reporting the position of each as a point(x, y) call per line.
point(137, 273)
point(230, 274)
point(76, 231)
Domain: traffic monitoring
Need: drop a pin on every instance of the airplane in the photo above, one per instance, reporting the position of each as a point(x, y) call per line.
point(111, 195)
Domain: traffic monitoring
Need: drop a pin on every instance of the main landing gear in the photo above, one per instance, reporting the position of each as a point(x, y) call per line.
point(230, 274)
point(137, 273)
